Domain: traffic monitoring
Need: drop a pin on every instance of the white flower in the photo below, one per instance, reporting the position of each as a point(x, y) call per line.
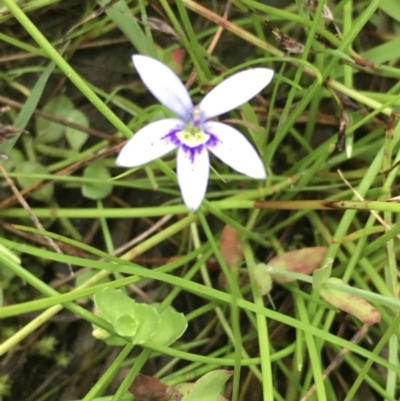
point(192, 133)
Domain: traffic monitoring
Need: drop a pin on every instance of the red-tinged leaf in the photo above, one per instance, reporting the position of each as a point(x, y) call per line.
point(230, 247)
point(148, 388)
point(303, 261)
point(177, 58)
point(231, 251)
point(351, 304)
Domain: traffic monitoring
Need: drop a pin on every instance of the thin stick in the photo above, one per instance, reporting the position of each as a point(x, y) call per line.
point(375, 214)
point(338, 358)
point(213, 43)
point(52, 117)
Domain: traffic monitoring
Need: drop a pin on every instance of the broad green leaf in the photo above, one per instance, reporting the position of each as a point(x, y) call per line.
point(391, 7)
point(171, 326)
point(76, 138)
point(50, 131)
point(147, 317)
point(113, 303)
point(384, 52)
point(208, 387)
point(15, 157)
point(44, 194)
point(97, 171)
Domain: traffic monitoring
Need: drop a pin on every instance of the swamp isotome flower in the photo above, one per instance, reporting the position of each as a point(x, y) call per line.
point(192, 133)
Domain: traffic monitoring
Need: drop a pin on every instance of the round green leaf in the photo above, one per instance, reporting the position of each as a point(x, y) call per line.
point(76, 138)
point(15, 156)
point(50, 131)
point(113, 303)
point(96, 190)
point(171, 326)
point(147, 317)
point(207, 388)
point(44, 194)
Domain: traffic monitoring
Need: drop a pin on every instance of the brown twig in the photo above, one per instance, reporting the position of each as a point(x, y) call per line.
point(213, 43)
point(52, 117)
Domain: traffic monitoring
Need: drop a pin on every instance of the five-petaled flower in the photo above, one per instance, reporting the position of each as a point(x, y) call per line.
point(192, 133)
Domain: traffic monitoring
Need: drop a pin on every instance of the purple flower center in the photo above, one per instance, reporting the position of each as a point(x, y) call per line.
point(191, 139)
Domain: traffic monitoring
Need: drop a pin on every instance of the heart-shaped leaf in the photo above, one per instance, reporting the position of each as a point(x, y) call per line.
point(96, 190)
point(76, 138)
point(43, 194)
point(50, 131)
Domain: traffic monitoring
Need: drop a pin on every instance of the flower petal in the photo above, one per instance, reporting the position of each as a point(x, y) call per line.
point(193, 167)
point(149, 143)
point(164, 84)
point(234, 150)
point(234, 91)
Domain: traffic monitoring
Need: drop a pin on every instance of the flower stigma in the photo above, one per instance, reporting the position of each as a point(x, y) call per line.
point(196, 116)
point(192, 136)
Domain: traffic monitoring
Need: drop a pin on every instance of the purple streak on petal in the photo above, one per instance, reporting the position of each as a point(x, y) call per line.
point(171, 137)
point(212, 140)
point(192, 152)
point(148, 143)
